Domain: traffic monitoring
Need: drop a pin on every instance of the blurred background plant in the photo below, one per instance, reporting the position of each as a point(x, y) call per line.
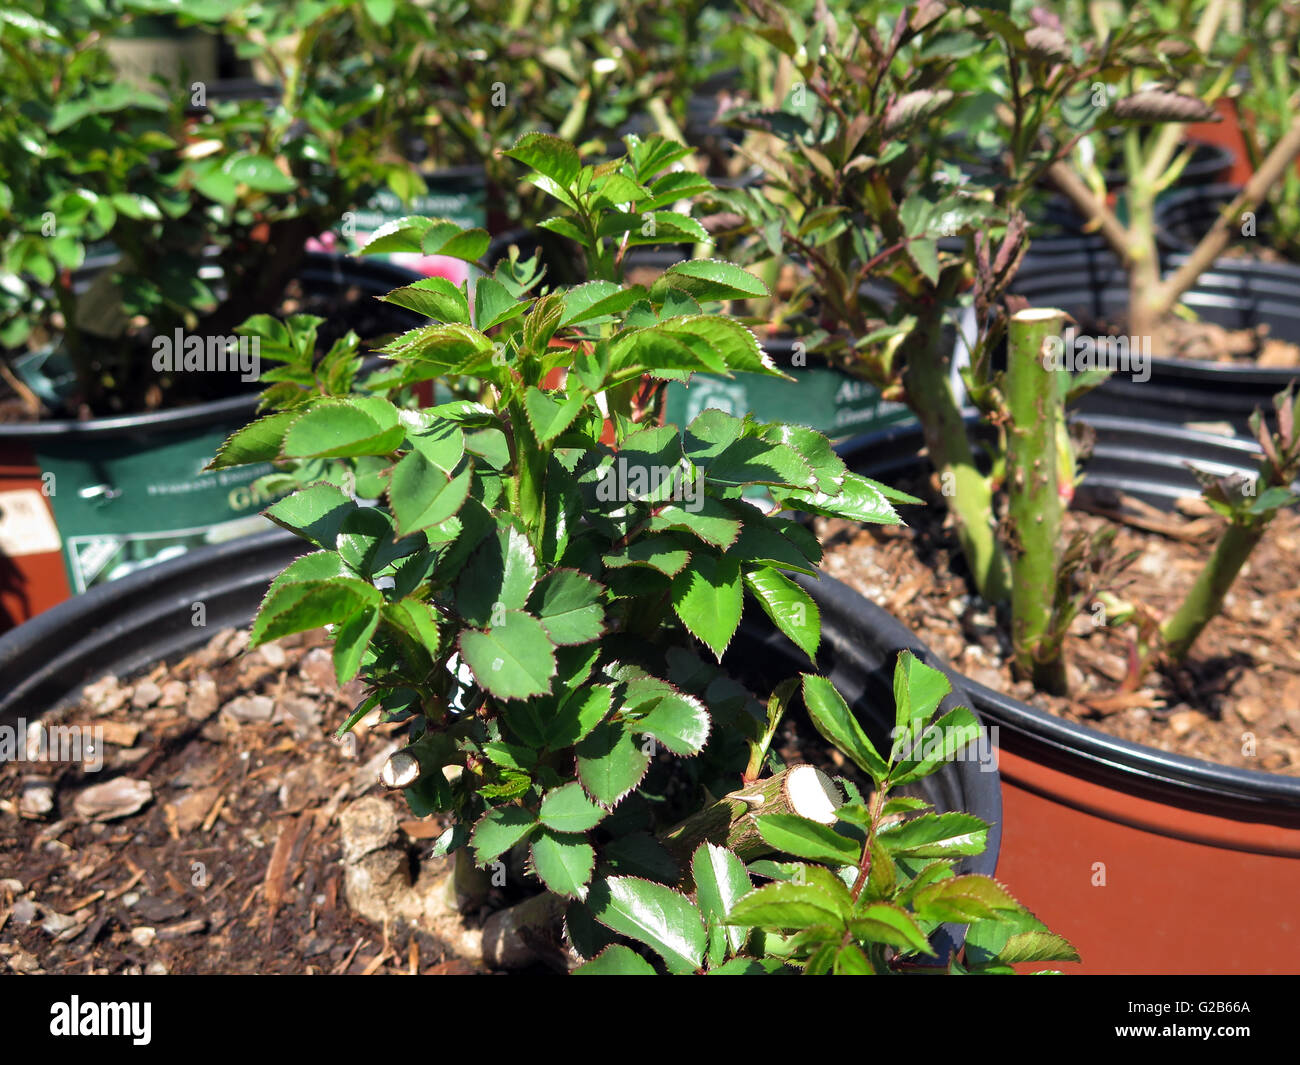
point(207, 204)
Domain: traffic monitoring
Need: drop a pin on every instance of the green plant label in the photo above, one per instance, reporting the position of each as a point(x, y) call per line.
point(124, 504)
point(823, 399)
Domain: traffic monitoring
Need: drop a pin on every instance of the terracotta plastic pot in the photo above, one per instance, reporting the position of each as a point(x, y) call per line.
point(128, 626)
point(1149, 862)
point(1233, 293)
point(86, 501)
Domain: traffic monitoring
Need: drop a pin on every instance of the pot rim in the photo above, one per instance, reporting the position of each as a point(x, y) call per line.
point(1220, 284)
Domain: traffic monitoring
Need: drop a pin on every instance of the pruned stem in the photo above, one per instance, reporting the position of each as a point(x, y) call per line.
point(802, 789)
point(526, 933)
point(1205, 598)
point(967, 492)
point(1035, 506)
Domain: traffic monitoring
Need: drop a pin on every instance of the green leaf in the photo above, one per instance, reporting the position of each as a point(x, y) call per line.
point(663, 553)
point(711, 279)
point(720, 882)
point(512, 660)
point(835, 721)
point(918, 691)
point(315, 513)
point(350, 642)
point(803, 838)
point(884, 922)
point(441, 442)
point(828, 468)
point(850, 961)
point(664, 920)
point(857, 500)
point(791, 906)
point(422, 495)
point(300, 606)
point(918, 755)
point(709, 434)
point(567, 809)
point(597, 300)
point(416, 621)
point(257, 172)
point(568, 603)
point(365, 541)
point(705, 517)
point(448, 238)
point(616, 960)
point(550, 156)
point(708, 597)
point(610, 762)
point(500, 577)
point(963, 899)
point(314, 568)
point(548, 417)
point(498, 830)
point(1038, 946)
point(494, 304)
point(341, 428)
point(791, 609)
point(935, 836)
point(580, 712)
point(259, 441)
point(563, 862)
point(434, 297)
point(679, 721)
point(925, 253)
point(398, 235)
point(722, 338)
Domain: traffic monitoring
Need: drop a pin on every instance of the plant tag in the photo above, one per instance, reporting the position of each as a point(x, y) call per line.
point(26, 527)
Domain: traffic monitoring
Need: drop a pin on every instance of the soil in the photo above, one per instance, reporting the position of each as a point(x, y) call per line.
point(232, 864)
point(1236, 700)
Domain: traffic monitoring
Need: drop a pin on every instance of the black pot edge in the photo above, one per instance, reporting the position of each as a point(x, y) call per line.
point(848, 607)
point(1170, 778)
point(1192, 370)
point(316, 265)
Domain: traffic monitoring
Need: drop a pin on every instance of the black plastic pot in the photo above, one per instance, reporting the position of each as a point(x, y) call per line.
point(860, 646)
point(1184, 217)
point(1182, 841)
point(109, 494)
point(1233, 293)
point(130, 625)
